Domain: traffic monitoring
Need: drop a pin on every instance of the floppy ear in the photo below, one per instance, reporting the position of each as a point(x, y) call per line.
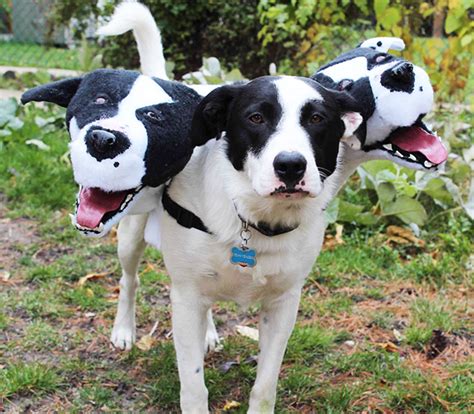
point(210, 116)
point(60, 92)
point(352, 118)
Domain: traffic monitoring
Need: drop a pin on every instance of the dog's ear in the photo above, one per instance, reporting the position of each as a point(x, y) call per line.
point(352, 118)
point(210, 116)
point(60, 92)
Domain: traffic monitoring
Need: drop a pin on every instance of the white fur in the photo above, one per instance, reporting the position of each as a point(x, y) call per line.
point(386, 44)
point(137, 17)
point(289, 136)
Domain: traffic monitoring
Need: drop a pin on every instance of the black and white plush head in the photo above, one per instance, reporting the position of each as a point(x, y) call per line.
point(281, 133)
point(129, 134)
point(395, 95)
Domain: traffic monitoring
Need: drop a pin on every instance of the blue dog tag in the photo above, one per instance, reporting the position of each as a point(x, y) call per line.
point(243, 256)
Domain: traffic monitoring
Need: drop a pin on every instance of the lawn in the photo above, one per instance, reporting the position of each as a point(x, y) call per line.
point(384, 325)
point(33, 55)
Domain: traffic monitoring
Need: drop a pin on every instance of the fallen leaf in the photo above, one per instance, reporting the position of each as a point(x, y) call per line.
point(38, 143)
point(388, 346)
point(89, 292)
point(248, 332)
point(146, 343)
point(4, 275)
point(230, 405)
point(91, 276)
point(401, 235)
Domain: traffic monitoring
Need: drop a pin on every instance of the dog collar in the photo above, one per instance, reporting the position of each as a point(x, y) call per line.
point(264, 228)
point(188, 219)
point(183, 216)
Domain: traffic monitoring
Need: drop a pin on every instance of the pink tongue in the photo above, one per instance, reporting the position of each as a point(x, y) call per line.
point(94, 203)
point(416, 139)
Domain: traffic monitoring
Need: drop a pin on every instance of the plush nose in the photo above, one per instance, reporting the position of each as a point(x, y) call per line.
point(289, 167)
point(103, 144)
point(403, 72)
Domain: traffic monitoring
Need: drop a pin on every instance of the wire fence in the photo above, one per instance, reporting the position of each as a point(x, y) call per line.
point(28, 36)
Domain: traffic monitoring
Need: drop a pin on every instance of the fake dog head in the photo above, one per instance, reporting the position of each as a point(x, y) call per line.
point(395, 95)
point(129, 134)
point(282, 133)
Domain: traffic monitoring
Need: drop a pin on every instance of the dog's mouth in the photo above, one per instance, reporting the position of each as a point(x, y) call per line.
point(415, 145)
point(289, 193)
point(96, 207)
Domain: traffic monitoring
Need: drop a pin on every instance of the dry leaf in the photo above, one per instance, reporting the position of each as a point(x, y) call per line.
point(91, 276)
point(4, 276)
point(401, 235)
point(248, 332)
point(230, 405)
point(146, 343)
point(388, 346)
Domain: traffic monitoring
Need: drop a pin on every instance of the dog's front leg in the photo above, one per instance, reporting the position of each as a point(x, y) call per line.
point(189, 331)
point(130, 249)
point(277, 320)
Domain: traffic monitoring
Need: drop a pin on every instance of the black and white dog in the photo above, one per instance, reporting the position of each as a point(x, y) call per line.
point(241, 220)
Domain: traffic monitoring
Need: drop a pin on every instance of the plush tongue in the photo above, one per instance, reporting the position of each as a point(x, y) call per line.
point(416, 139)
point(94, 203)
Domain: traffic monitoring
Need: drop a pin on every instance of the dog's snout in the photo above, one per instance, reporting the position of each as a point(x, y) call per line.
point(103, 140)
point(403, 71)
point(103, 143)
point(289, 167)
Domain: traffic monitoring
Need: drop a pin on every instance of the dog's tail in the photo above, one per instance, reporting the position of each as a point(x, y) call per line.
point(131, 15)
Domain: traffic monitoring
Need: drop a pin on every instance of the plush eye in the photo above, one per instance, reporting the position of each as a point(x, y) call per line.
point(152, 115)
point(100, 100)
point(256, 118)
point(315, 119)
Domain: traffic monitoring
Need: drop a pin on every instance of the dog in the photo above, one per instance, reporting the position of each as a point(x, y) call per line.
point(240, 220)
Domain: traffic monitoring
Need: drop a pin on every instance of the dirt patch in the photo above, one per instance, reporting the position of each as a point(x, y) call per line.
point(14, 233)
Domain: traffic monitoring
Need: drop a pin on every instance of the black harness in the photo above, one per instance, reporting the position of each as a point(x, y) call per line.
point(189, 220)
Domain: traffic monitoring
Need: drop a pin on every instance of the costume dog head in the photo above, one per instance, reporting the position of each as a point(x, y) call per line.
point(281, 133)
point(395, 95)
point(129, 134)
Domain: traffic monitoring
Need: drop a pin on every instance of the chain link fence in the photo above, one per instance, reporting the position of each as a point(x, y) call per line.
point(28, 36)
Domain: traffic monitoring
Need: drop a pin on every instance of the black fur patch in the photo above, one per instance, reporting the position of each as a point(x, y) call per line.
point(112, 85)
point(168, 128)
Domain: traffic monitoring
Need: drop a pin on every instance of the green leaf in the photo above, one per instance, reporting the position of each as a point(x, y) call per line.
point(436, 189)
point(8, 109)
point(386, 193)
point(407, 209)
point(390, 18)
point(452, 23)
point(380, 6)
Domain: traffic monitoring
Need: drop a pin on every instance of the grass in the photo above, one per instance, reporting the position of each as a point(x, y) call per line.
point(364, 339)
point(33, 55)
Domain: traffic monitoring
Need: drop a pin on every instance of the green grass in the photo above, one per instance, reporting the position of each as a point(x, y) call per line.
point(26, 379)
point(33, 55)
point(54, 346)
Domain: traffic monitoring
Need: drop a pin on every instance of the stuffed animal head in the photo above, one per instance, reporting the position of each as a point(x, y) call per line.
point(129, 134)
point(395, 96)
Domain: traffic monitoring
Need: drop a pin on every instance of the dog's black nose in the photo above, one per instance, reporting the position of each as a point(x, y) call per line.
point(103, 144)
point(103, 140)
point(289, 167)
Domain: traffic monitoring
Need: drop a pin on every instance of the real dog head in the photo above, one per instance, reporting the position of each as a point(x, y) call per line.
point(129, 134)
point(282, 133)
point(396, 95)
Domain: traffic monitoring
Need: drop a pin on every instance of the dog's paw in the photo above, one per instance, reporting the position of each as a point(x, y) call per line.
point(123, 337)
point(212, 342)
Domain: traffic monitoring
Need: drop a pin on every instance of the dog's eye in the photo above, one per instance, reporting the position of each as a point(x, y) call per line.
point(152, 115)
point(315, 119)
point(256, 119)
point(100, 100)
